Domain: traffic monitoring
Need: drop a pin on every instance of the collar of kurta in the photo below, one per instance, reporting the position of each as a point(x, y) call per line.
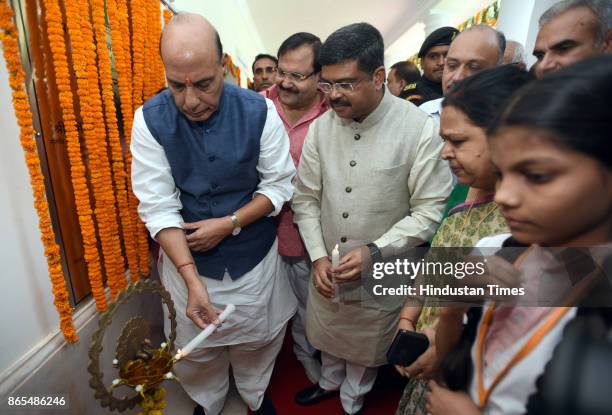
point(314, 112)
point(375, 116)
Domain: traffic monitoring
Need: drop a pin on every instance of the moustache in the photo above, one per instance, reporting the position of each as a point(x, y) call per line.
point(290, 90)
point(339, 103)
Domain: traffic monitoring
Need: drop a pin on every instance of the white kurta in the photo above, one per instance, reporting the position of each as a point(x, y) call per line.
point(257, 293)
point(382, 181)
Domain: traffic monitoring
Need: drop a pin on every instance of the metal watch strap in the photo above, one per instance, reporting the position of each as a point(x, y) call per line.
point(375, 253)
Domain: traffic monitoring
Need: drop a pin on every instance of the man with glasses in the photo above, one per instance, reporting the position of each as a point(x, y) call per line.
point(371, 181)
point(211, 165)
point(264, 71)
point(298, 102)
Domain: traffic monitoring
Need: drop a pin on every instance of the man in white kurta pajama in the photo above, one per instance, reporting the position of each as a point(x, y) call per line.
point(213, 160)
point(370, 174)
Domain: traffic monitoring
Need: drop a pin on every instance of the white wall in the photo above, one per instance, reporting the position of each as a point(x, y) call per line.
point(518, 19)
point(233, 21)
point(27, 314)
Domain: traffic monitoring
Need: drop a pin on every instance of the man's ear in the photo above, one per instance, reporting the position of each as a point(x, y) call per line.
point(224, 62)
point(379, 77)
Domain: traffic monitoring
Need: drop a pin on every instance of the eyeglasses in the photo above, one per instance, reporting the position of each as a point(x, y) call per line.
point(293, 76)
point(341, 87)
point(267, 69)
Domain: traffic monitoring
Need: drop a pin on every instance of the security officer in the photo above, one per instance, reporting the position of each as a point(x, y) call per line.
point(433, 53)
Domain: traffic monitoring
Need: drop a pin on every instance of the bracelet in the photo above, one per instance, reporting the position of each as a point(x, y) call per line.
point(409, 320)
point(184, 265)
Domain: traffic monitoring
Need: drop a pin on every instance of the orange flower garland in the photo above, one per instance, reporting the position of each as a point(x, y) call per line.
point(122, 43)
point(55, 32)
point(167, 16)
point(8, 36)
point(105, 193)
point(138, 15)
point(84, 65)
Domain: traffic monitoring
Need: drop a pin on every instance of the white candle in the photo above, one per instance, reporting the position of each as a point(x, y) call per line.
point(229, 309)
point(335, 257)
point(335, 263)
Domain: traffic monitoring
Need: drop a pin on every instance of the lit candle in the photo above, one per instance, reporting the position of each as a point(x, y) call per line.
point(335, 263)
point(229, 309)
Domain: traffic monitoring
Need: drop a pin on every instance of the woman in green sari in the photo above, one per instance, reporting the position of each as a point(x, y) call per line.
point(467, 112)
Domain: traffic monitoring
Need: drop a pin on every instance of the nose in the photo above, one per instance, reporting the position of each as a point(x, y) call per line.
point(447, 151)
point(440, 61)
point(506, 195)
point(334, 94)
point(191, 99)
point(547, 64)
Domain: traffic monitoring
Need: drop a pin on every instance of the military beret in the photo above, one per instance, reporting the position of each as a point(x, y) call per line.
point(441, 36)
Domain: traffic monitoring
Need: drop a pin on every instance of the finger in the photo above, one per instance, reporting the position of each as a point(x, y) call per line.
point(349, 275)
point(213, 314)
point(323, 286)
point(191, 225)
point(197, 319)
point(344, 265)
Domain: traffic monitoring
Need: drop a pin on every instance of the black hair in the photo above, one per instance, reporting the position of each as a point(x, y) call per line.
point(572, 105)
point(263, 56)
point(359, 42)
point(219, 45)
point(481, 96)
point(299, 39)
point(407, 71)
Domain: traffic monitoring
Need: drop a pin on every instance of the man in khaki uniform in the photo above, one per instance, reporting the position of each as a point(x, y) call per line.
point(370, 175)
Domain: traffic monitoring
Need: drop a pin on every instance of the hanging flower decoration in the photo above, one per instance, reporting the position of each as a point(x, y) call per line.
point(8, 36)
point(55, 32)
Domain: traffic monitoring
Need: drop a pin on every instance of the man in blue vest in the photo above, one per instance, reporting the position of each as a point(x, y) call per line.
point(211, 165)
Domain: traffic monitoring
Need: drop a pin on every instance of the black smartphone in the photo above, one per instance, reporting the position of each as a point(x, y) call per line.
point(407, 347)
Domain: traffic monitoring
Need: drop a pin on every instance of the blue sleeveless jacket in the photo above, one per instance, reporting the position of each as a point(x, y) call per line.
point(214, 165)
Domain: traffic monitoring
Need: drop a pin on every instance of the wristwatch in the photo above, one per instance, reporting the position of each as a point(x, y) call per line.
point(236, 224)
point(375, 253)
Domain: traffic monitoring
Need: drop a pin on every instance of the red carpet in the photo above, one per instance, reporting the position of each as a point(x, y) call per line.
point(289, 377)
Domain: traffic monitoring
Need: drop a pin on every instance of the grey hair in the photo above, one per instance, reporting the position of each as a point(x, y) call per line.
point(602, 9)
point(501, 39)
point(519, 52)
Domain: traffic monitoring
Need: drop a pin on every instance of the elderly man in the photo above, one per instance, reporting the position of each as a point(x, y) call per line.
point(477, 48)
point(211, 165)
point(298, 102)
point(432, 54)
point(370, 180)
point(570, 31)
point(264, 71)
point(402, 81)
point(515, 54)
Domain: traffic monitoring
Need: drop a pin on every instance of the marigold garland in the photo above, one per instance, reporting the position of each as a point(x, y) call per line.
point(55, 33)
point(8, 36)
point(99, 71)
point(117, 16)
point(138, 25)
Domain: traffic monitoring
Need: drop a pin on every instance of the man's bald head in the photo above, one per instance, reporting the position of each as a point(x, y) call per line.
point(189, 34)
point(195, 68)
point(477, 48)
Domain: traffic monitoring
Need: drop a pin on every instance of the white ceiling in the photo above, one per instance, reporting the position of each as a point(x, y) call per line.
point(277, 19)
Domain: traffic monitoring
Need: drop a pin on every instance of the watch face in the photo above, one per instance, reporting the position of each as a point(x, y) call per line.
point(236, 230)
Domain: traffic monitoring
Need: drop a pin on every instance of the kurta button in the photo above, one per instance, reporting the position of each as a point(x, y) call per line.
point(357, 137)
point(215, 203)
point(353, 163)
point(211, 158)
point(343, 239)
point(345, 215)
point(348, 189)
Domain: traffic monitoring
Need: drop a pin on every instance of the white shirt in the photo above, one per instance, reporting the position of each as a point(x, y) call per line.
point(158, 195)
point(433, 108)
